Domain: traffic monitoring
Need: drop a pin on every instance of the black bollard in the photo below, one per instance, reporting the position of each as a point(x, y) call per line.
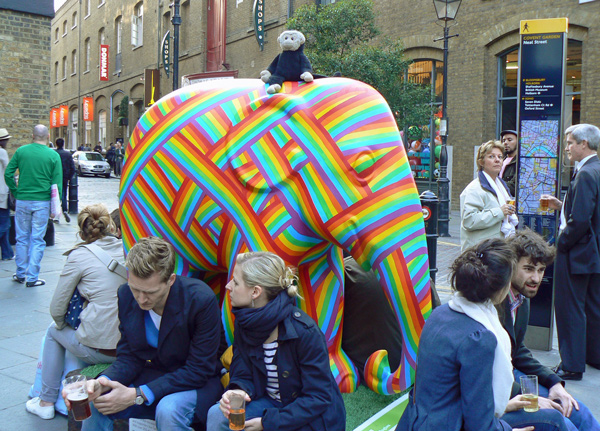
point(73, 198)
point(430, 204)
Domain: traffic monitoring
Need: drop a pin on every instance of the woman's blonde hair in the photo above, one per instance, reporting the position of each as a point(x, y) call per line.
point(269, 271)
point(94, 223)
point(485, 149)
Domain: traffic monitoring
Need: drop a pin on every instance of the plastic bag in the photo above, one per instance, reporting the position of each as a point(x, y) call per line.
point(55, 203)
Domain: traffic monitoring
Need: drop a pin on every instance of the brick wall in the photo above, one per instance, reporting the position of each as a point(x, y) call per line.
point(25, 74)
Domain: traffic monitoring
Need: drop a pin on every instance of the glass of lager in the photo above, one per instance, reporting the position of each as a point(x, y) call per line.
point(544, 203)
point(237, 411)
point(529, 389)
point(77, 394)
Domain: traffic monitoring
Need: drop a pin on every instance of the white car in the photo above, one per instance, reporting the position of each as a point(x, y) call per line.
point(91, 163)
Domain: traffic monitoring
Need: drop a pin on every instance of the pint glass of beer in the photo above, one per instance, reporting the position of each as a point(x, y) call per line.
point(237, 411)
point(544, 203)
point(77, 394)
point(529, 389)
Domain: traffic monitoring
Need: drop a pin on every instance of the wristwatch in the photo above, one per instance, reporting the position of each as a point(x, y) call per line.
point(139, 399)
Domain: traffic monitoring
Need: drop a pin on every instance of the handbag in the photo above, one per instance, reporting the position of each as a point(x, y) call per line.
point(78, 302)
point(12, 201)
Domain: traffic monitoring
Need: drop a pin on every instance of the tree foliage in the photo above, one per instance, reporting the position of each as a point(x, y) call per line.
point(342, 37)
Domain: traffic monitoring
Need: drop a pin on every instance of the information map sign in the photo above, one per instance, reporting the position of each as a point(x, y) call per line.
point(541, 92)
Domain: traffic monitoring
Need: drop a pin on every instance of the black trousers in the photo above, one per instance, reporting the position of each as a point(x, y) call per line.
point(577, 306)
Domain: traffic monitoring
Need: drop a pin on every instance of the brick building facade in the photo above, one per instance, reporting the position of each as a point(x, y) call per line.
point(24, 67)
point(481, 76)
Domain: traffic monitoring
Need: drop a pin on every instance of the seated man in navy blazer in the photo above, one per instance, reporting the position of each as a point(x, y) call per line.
point(533, 255)
point(167, 366)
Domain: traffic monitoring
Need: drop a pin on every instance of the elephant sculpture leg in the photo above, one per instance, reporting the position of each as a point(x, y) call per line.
point(321, 276)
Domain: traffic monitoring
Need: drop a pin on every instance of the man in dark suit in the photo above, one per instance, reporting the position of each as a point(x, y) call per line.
point(68, 169)
point(167, 366)
point(577, 296)
point(533, 256)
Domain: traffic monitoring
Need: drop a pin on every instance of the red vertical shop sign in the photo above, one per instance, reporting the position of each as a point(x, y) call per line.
point(88, 109)
point(63, 115)
point(53, 118)
point(103, 62)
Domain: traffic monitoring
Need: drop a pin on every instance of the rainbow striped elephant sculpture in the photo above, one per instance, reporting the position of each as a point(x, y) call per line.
point(222, 167)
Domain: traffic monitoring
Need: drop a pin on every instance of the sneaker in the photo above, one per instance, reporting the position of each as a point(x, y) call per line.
point(9, 258)
point(18, 279)
point(38, 282)
point(33, 406)
point(67, 218)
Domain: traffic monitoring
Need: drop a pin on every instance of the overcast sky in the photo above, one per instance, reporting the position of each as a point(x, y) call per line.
point(58, 3)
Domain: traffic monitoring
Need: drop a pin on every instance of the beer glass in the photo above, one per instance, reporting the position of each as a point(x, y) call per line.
point(237, 411)
point(529, 389)
point(544, 203)
point(77, 394)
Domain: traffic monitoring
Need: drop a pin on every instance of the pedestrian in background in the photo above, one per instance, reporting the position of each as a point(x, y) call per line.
point(68, 169)
point(509, 165)
point(485, 210)
point(39, 167)
point(119, 155)
point(110, 156)
point(7, 251)
point(98, 148)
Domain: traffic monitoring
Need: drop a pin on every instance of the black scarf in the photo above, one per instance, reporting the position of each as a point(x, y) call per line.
point(258, 323)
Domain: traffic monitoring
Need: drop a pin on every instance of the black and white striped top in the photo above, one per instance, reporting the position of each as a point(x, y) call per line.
point(270, 350)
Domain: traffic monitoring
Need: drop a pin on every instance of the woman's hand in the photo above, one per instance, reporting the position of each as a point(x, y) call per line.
point(516, 404)
point(507, 209)
point(224, 403)
point(253, 425)
point(553, 202)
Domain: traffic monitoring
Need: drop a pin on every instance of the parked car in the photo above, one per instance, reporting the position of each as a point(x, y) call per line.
point(91, 163)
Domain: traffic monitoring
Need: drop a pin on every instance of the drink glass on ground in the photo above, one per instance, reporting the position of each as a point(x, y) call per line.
point(529, 389)
point(77, 394)
point(544, 203)
point(237, 411)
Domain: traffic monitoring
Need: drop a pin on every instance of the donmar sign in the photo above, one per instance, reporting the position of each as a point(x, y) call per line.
point(63, 115)
point(103, 62)
point(88, 109)
point(53, 117)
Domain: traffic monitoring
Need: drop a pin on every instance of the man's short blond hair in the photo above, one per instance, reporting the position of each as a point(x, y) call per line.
point(149, 256)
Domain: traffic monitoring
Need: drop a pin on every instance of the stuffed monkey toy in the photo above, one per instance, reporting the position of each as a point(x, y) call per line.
point(290, 65)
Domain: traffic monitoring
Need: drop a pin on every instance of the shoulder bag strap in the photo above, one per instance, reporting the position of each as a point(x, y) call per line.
point(106, 259)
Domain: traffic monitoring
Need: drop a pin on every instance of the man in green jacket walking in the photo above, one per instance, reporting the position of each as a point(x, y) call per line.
point(39, 167)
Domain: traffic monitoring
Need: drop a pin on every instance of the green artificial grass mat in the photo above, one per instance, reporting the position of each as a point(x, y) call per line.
point(94, 371)
point(364, 403)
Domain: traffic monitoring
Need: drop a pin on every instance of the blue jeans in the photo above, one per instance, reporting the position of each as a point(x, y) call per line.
point(31, 221)
point(7, 251)
point(216, 421)
point(543, 420)
point(580, 420)
point(174, 412)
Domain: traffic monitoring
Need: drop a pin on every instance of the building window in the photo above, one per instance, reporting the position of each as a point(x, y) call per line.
point(56, 35)
point(56, 72)
point(88, 51)
point(119, 39)
point(64, 66)
point(101, 36)
point(74, 20)
point(65, 28)
point(87, 8)
point(422, 139)
point(74, 62)
point(184, 28)
point(87, 138)
point(102, 127)
point(137, 25)
point(74, 128)
point(508, 71)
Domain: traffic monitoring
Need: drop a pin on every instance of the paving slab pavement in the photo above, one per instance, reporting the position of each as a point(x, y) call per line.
point(25, 317)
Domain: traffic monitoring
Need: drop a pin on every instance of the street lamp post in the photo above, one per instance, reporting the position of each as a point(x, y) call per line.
point(176, 20)
point(446, 11)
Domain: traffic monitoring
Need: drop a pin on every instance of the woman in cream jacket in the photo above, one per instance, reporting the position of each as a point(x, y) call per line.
point(95, 340)
point(484, 210)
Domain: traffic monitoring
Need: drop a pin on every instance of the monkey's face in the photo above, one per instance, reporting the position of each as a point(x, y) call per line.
point(291, 40)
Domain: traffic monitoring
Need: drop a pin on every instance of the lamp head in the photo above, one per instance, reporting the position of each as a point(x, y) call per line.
point(446, 10)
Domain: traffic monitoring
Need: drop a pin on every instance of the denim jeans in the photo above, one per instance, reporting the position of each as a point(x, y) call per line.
point(53, 359)
point(216, 421)
point(543, 420)
point(7, 251)
point(580, 420)
point(174, 412)
point(31, 221)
